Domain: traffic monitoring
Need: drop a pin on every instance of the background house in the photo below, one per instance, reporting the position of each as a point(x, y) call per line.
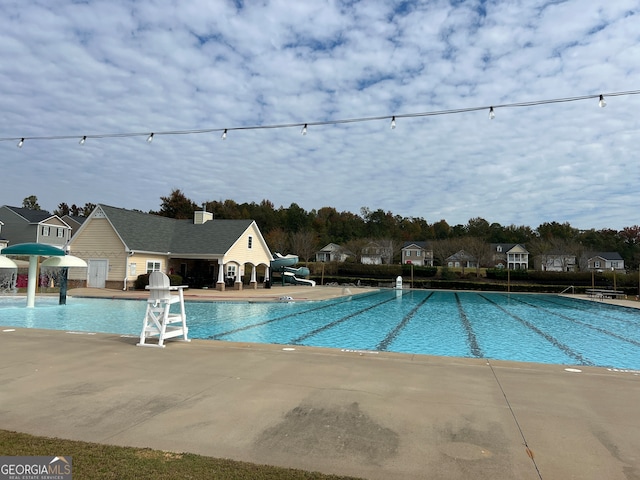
point(23, 225)
point(555, 262)
point(374, 253)
point(3, 241)
point(510, 255)
point(461, 259)
point(603, 261)
point(118, 245)
point(331, 253)
point(417, 253)
point(74, 222)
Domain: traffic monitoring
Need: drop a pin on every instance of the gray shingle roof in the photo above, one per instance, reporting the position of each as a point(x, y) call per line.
point(32, 216)
point(153, 233)
point(609, 255)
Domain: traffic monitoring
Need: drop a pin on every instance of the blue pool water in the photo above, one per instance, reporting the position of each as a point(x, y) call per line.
point(532, 328)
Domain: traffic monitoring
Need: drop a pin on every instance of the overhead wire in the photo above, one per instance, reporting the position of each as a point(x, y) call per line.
point(306, 124)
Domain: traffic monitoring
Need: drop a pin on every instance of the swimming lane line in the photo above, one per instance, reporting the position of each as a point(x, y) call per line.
point(384, 344)
point(551, 339)
point(581, 323)
point(272, 320)
point(336, 322)
point(472, 340)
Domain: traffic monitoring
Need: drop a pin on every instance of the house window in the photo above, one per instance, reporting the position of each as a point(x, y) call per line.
point(614, 264)
point(596, 264)
point(499, 249)
point(250, 242)
point(60, 232)
point(45, 231)
point(231, 271)
point(153, 267)
point(408, 253)
point(418, 253)
point(132, 269)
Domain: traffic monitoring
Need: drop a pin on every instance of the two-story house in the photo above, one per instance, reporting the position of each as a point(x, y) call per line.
point(510, 255)
point(22, 225)
point(417, 253)
point(374, 253)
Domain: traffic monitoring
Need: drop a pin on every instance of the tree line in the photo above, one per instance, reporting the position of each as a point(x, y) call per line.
point(293, 229)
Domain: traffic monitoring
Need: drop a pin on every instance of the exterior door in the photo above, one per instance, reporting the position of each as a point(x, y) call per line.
point(97, 273)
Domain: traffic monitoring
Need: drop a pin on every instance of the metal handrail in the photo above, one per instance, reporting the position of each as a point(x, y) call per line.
point(573, 290)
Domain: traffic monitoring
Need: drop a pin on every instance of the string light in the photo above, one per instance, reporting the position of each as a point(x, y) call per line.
point(82, 140)
point(601, 102)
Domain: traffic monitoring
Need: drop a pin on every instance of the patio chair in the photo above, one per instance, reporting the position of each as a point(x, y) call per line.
point(158, 320)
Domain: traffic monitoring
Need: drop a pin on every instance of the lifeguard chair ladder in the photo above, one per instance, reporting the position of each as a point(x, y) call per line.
point(158, 320)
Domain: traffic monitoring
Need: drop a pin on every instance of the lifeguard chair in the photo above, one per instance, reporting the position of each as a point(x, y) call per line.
point(158, 320)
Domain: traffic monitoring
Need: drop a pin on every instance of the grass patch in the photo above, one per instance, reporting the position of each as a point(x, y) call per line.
point(100, 462)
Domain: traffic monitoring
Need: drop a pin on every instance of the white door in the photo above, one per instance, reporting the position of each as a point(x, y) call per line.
point(97, 273)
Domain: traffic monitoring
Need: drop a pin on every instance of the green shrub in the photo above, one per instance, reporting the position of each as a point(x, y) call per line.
point(419, 271)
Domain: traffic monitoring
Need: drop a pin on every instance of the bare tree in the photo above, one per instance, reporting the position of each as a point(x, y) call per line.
point(277, 240)
point(356, 248)
point(443, 249)
point(304, 244)
point(389, 249)
point(479, 249)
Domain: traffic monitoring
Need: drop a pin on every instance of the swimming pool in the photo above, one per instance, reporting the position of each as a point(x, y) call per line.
point(519, 327)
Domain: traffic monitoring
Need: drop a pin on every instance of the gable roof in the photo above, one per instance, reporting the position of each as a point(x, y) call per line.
point(608, 256)
point(461, 255)
point(507, 247)
point(73, 219)
point(422, 245)
point(331, 247)
point(30, 216)
point(152, 233)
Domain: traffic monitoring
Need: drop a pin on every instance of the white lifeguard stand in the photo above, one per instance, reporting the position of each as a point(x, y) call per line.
point(158, 320)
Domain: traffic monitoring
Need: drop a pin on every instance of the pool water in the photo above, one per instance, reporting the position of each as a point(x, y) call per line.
point(518, 327)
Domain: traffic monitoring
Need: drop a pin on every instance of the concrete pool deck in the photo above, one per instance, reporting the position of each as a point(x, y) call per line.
point(367, 414)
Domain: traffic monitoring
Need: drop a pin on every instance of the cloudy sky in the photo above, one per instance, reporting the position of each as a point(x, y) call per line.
point(98, 68)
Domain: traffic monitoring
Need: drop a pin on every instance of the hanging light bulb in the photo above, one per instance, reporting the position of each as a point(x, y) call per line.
point(492, 114)
point(224, 134)
point(21, 143)
point(82, 140)
point(150, 138)
point(393, 122)
point(602, 103)
point(304, 129)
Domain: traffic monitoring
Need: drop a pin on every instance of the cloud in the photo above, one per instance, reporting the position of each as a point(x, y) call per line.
point(83, 68)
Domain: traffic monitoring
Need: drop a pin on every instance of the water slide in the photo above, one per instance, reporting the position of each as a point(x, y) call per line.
point(284, 265)
point(290, 277)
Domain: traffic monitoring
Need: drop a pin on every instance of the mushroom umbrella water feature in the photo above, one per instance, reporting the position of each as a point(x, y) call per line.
point(63, 263)
point(7, 282)
point(33, 251)
point(7, 262)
